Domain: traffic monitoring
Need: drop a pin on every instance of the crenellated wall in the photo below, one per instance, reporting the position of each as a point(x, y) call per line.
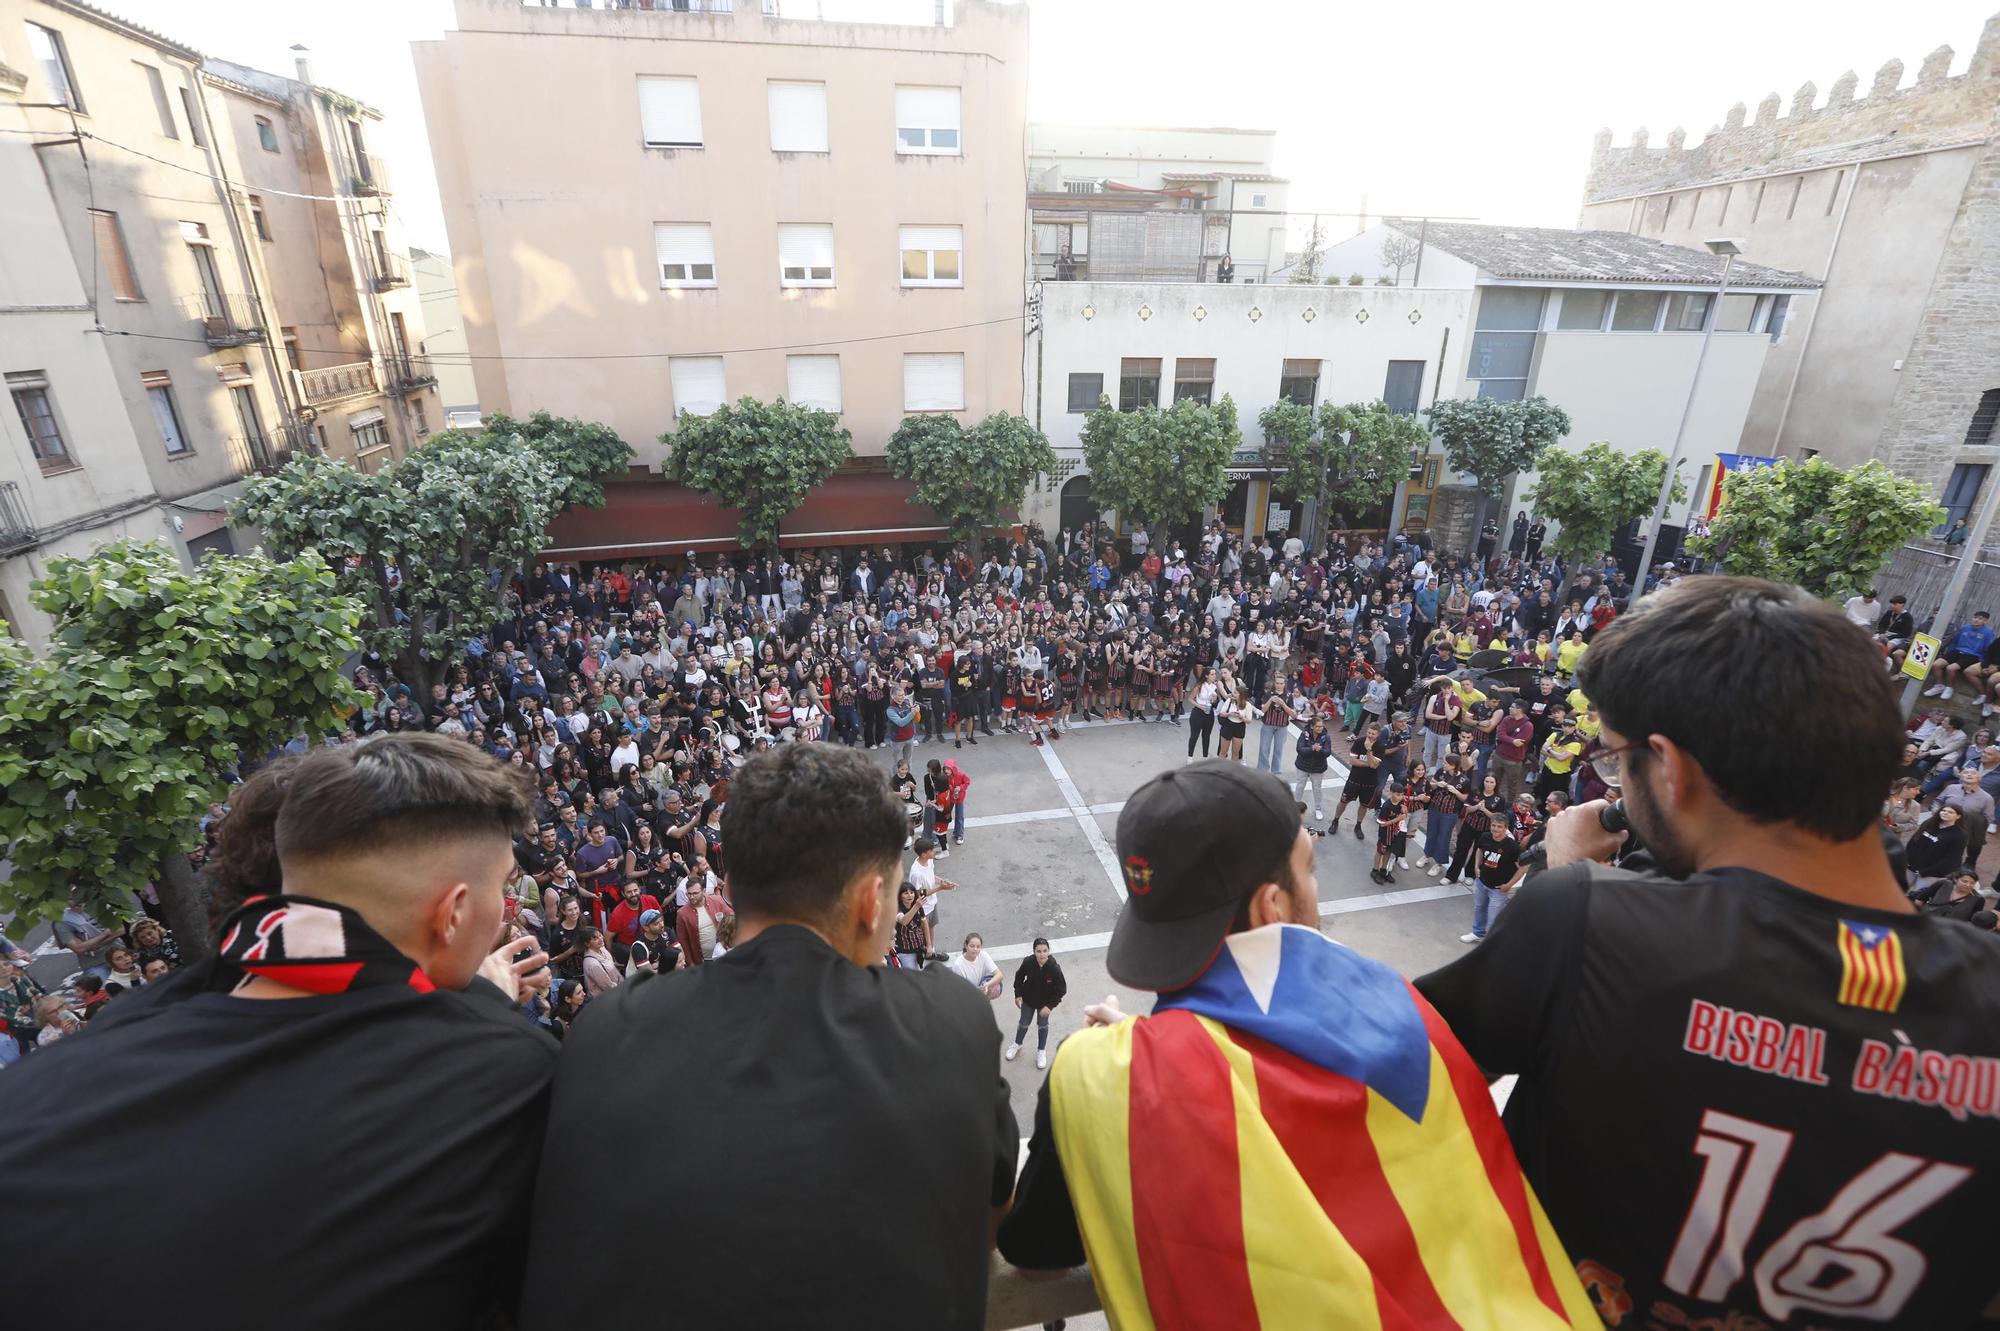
point(1939, 108)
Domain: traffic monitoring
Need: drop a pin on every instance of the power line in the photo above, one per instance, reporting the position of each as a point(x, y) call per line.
point(227, 184)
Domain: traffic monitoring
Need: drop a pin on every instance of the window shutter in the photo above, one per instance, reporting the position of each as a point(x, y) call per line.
point(934, 381)
point(798, 117)
point(687, 244)
point(931, 238)
point(808, 247)
point(111, 253)
point(670, 112)
point(813, 381)
point(697, 383)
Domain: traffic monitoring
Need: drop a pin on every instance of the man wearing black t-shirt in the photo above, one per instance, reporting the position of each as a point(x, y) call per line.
point(872, 1133)
point(1758, 1090)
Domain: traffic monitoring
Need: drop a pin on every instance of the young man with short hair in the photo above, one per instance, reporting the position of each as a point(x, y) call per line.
point(1963, 654)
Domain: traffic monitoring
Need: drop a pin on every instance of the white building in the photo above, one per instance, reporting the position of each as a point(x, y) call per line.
point(446, 343)
point(1605, 325)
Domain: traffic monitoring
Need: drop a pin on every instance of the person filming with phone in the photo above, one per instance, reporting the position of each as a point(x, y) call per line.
point(1755, 1086)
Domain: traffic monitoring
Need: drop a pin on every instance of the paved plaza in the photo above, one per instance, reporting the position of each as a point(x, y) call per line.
point(1038, 861)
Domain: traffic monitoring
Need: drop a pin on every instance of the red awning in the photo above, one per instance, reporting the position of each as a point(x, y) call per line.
point(860, 508)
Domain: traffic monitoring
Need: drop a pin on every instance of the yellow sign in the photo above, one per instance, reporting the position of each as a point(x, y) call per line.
point(1923, 651)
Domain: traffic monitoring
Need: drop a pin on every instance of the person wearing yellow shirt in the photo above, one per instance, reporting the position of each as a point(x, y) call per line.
point(1568, 654)
point(1588, 727)
point(1465, 646)
point(1559, 754)
point(1579, 703)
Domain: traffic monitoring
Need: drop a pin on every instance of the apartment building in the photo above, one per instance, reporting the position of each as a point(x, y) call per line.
point(438, 290)
point(734, 203)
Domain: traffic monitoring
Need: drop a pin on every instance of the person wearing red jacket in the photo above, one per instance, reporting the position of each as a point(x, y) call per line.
point(1510, 749)
point(695, 924)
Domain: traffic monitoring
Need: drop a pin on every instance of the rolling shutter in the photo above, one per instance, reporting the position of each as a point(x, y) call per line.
point(805, 254)
point(697, 383)
point(813, 381)
point(798, 117)
point(934, 381)
point(670, 112)
point(686, 253)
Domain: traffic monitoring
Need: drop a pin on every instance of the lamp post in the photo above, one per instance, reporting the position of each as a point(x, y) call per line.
point(1728, 249)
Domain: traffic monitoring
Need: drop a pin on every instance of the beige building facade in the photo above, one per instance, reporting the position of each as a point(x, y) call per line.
point(733, 204)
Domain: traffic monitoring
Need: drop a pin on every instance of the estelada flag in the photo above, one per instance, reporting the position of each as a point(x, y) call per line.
point(1297, 1141)
point(1871, 966)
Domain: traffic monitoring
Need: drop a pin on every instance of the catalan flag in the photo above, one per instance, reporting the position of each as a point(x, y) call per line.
point(1871, 966)
point(1297, 1141)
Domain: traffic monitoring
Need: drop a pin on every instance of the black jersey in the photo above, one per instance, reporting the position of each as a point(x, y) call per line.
point(1742, 1104)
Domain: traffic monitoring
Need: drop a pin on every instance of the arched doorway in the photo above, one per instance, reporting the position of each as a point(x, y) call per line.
point(1077, 505)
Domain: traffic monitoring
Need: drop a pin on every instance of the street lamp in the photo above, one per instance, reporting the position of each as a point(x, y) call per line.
point(1728, 249)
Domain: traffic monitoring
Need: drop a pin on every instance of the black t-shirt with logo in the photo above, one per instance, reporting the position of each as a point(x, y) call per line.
point(1743, 1103)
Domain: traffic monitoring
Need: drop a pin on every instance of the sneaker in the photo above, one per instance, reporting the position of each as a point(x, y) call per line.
point(1374, 875)
point(958, 744)
point(958, 841)
point(1403, 863)
point(1357, 831)
point(1450, 881)
point(1175, 719)
point(1319, 815)
point(943, 854)
point(1036, 741)
point(1434, 870)
point(1014, 1049)
point(1463, 938)
point(1985, 709)
point(1041, 1058)
point(1388, 878)
point(973, 742)
point(1055, 734)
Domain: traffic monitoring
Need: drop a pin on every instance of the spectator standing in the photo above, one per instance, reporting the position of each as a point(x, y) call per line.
point(976, 968)
point(1039, 988)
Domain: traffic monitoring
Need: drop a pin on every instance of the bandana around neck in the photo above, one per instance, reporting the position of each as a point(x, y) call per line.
point(317, 946)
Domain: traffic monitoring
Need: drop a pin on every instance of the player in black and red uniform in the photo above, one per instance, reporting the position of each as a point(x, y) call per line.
point(1756, 1090)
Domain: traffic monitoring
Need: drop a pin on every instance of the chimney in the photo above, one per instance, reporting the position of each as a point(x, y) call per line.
point(303, 63)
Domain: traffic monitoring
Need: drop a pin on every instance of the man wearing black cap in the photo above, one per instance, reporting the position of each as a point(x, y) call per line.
point(1291, 1117)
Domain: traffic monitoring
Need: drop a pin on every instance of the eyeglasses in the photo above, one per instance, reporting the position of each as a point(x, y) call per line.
point(1610, 764)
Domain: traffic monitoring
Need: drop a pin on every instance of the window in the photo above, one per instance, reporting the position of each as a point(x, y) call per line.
point(1636, 312)
point(1403, 389)
point(1980, 433)
point(805, 255)
point(267, 137)
point(263, 227)
point(30, 391)
point(423, 420)
point(934, 381)
point(188, 107)
point(670, 112)
point(697, 383)
point(1503, 341)
point(291, 338)
point(243, 401)
point(1138, 382)
point(1259, 200)
point(931, 255)
point(1687, 311)
point(158, 86)
point(1300, 382)
point(1774, 323)
point(46, 46)
point(1583, 311)
point(370, 430)
point(1510, 308)
point(798, 117)
point(160, 394)
point(927, 121)
point(1084, 391)
point(813, 381)
point(1737, 313)
point(686, 251)
point(1194, 379)
point(1961, 492)
point(112, 254)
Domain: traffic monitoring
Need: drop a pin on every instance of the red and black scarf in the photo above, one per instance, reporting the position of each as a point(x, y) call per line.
point(318, 946)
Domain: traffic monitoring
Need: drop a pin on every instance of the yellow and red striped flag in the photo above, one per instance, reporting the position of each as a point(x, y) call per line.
point(1871, 966)
point(1297, 1140)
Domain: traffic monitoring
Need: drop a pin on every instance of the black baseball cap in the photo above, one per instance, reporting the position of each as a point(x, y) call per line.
point(1192, 844)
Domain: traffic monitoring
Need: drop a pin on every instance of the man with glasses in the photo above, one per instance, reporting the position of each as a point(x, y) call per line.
point(1756, 1087)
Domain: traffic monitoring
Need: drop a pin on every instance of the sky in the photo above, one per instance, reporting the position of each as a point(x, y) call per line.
point(1477, 110)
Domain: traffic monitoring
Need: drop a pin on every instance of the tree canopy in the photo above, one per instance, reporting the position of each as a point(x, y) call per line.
point(1157, 466)
point(421, 541)
point(156, 680)
point(1491, 440)
point(1830, 531)
point(1350, 457)
point(973, 478)
point(1595, 491)
point(760, 458)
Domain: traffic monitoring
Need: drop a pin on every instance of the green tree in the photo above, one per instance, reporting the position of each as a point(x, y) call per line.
point(759, 458)
point(1350, 458)
point(422, 541)
point(1157, 466)
point(156, 680)
point(1597, 490)
point(973, 478)
point(1491, 440)
point(1830, 531)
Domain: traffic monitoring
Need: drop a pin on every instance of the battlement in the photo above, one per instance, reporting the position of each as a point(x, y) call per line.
point(1938, 110)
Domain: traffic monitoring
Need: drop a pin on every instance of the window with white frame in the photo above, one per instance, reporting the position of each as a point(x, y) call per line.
point(805, 255)
point(931, 255)
point(813, 381)
point(934, 381)
point(686, 253)
point(698, 384)
point(927, 121)
point(670, 112)
point(798, 117)
point(46, 46)
point(160, 395)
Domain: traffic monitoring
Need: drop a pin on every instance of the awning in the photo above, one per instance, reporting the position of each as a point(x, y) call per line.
point(860, 508)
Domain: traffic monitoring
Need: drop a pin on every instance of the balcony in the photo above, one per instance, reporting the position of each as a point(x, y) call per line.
point(334, 382)
point(17, 532)
point(391, 271)
point(255, 453)
point(408, 373)
point(226, 321)
point(371, 175)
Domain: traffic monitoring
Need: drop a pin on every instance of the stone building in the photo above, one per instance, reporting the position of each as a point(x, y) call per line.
point(1892, 198)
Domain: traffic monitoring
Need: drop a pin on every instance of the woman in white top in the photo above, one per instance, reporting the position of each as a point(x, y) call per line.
point(808, 717)
point(1201, 711)
point(600, 972)
point(1235, 720)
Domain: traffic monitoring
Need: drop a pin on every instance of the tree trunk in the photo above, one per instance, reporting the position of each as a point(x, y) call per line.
point(184, 901)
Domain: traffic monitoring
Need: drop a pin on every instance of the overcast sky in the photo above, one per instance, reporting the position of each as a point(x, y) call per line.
point(1472, 109)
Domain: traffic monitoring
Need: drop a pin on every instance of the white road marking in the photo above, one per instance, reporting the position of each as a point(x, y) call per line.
point(1091, 831)
point(1033, 816)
